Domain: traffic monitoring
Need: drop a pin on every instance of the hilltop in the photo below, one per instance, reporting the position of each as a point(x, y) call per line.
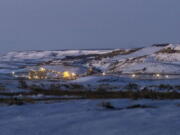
point(158, 58)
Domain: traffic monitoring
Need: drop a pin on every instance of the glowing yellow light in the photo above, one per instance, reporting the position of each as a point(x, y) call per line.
point(42, 69)
point(73, 74)
point(66, 74)
point(103, 73)
point(157, 75)
point(36, 77)
point(13, 73)
point(133, 75)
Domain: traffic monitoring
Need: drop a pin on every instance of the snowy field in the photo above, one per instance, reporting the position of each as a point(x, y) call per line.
point(95, 103)
point(87, 117)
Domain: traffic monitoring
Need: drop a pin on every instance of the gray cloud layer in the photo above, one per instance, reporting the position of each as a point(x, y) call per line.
point(66, 24)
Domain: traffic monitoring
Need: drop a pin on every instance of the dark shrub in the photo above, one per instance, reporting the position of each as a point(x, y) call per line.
point(107, 105)
point(55, 87)
point(23, 84)
point(76, 86)
point(177, 87)
point(165, 86)
point(102, 88)
point(2, 87)
point(15, 101)
point(139, 106)
point(132, 86)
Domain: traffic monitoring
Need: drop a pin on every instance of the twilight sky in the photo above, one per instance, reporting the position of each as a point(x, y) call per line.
point(81, 24)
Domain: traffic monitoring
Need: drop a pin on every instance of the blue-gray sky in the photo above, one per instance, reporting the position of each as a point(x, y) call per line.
point(81, 24)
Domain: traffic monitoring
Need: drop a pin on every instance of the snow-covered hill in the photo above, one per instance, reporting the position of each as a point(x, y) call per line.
point(153, 59)
point(46, 55)
point(159, 58)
